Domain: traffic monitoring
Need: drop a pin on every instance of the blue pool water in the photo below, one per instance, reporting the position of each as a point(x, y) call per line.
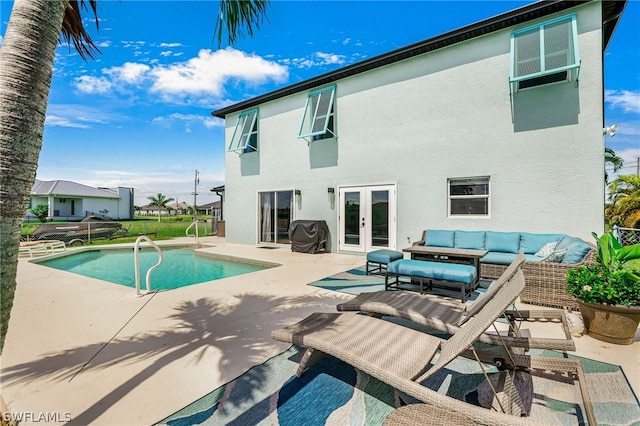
point(179, 268)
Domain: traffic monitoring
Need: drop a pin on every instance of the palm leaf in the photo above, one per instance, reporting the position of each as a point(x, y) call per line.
point(73, 28)
point(236, 15)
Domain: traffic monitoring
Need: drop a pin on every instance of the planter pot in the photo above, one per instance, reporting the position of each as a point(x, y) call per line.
point(610, 323)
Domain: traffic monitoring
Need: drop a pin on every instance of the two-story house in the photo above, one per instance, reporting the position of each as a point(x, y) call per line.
point(494, 126)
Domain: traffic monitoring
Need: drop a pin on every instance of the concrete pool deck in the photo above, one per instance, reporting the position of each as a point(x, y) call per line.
point(83, 351)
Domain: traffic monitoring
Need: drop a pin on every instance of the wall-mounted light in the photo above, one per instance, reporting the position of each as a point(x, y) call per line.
point(297, 192)
point(610, 130)
point(331, 190)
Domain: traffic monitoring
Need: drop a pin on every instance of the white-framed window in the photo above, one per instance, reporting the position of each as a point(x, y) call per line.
point(318, 118)
point(545, 53)
point(245, 135)
point(469, 196)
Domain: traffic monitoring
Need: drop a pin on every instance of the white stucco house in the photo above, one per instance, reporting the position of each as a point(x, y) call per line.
point(73, 201)
point(494, 126)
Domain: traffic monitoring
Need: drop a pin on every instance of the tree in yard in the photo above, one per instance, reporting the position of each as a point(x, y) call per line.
point(624, 201)
point(160, 201)
point(26, 67)
point(610, 157)
point(41, 212)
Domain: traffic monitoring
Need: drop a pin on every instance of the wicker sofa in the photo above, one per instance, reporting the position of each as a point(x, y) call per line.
point(545, 279)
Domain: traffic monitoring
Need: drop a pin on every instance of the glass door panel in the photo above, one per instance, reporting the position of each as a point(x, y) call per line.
point(379, 219)
point(350, 230)
point(275, 217)
point(284, 207)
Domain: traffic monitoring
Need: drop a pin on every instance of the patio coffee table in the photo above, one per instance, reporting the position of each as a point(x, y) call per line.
point(448, 255)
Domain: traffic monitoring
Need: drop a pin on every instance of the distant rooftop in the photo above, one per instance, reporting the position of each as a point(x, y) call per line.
point(61, 188)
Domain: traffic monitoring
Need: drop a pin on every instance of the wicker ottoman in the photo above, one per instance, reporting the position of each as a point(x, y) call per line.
point(378, 260)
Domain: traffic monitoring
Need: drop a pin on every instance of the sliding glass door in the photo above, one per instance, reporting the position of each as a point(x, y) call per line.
point(276, 208)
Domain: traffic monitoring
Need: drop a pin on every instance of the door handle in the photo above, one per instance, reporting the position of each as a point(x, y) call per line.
point(362, 224)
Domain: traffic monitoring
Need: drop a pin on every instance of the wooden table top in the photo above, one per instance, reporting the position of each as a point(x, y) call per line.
point(446, 251)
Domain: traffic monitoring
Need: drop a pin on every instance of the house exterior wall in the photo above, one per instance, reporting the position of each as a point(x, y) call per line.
point(74, 207)
point(445, 114)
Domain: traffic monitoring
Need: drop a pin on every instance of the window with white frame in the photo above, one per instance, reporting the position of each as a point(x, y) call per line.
point(545, 53)
point(469, 196)
point(245, 135)
point(318, 119)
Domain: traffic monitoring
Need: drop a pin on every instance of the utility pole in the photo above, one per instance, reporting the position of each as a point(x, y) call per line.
point(196, 181)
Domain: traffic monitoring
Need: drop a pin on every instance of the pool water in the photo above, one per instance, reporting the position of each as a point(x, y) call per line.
point(179, 268)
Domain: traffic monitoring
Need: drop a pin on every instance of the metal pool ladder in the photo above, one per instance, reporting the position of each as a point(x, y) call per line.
point(136, 261)
point(193, 225)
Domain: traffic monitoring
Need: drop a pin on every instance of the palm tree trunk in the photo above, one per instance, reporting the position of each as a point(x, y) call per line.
point(26, 66)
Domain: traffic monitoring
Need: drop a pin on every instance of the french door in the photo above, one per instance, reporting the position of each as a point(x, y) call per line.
point(367, 218)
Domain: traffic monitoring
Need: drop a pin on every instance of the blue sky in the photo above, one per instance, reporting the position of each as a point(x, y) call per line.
point(139, 115)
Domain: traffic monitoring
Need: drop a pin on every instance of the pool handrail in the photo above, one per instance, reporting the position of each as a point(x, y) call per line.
point(136, 261)
point(195, 235)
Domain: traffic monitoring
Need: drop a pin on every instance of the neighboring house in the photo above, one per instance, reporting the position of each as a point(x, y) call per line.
point(73, 201)
point(495, 126)
point(150, 210)
point(211, 209)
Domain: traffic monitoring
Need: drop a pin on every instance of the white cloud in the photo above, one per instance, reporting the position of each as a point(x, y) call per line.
point(209, 71)
point(75, 116)
point(89, 84)
point(200, 77)
point(171, 44)
point(188, 119)
point(58, 121)
point(330, 58)
point(129, 72)
point(132, 44)
point(103, 44)
point(627, 100)
point(318, 59)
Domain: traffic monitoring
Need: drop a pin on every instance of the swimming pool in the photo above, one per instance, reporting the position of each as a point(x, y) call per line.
point(179, 268)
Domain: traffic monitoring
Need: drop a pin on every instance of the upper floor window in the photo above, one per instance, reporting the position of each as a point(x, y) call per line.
point(544, 53)
point(245, 135)
point(469, 197)
point(318, 119)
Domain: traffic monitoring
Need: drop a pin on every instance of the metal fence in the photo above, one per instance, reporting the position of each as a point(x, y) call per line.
point(627, 236)
point(76, 232)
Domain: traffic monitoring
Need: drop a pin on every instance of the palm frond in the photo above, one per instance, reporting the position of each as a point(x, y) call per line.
point(235, 16)
point(73, 28)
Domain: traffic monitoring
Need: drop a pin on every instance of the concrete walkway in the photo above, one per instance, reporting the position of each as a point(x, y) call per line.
point(83, 351)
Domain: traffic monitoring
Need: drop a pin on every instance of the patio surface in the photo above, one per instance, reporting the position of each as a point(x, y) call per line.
point(167, 349)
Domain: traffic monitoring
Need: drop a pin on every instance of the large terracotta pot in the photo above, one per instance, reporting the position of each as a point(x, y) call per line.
point(610, 323)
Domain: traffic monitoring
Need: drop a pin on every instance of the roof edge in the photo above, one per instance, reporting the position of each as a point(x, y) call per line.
point(611, 12)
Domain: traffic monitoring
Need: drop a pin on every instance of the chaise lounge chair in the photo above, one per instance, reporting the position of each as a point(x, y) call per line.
point(401, 356)
point(449, 315)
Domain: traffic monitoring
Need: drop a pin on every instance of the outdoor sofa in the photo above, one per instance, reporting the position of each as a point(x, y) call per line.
point(548, 257)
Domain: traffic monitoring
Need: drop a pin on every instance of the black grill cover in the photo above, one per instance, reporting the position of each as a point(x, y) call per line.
point(308, 236)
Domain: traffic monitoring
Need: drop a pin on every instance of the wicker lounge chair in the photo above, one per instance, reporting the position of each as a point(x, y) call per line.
point(402, 357)
point(449, 315)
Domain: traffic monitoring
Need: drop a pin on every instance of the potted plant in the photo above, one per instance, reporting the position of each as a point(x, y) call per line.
point(608, 291)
